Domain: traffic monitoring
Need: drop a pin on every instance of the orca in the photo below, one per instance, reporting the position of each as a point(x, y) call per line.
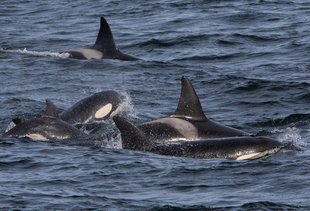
point(234, 148)
point(188, 122)
point(48, 127)
point(97, 107)
point(104, 47)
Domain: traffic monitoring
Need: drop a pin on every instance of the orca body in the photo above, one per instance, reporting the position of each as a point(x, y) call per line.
point(188, 122)
point(97, 107)
point(104, 47)
point(48, 127)
point(236, 148)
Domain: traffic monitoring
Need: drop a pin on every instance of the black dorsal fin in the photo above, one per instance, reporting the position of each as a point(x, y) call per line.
point(132, 137)
point(51, 110)
point(105, 41)
point(189, 104)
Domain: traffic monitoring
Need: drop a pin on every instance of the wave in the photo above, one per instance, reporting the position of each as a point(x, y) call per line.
point(257, 84)
point(36, 53)
point(177, 40)
point(257, 38)
point(224, 57)
point(260, 205)
point(291, 119)
point(267, 205)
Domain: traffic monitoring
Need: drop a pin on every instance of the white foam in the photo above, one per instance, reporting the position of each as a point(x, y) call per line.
point(126, 107)
point(290, 135)
point(36, 53)
point(114, 142)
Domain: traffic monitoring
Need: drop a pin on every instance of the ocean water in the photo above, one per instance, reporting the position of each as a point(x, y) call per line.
point(248, 60)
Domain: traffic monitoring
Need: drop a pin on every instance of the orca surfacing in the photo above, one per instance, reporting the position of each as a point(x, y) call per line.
point(94, 108)
point(235, 148)
point(104, 47)
point(188, 122)
point(48, 127)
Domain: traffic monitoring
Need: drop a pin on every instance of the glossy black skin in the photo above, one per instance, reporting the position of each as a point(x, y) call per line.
point(189, 114)
point(84, 111)
point(134, 138)
point(205, 129)
point(224, 148)
point(49, 127)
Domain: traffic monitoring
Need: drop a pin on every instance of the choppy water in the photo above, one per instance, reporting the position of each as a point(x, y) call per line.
point(248, 60)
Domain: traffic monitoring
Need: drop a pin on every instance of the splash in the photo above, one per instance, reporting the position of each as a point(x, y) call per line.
point(36, 53)
point(128, 107)
point(114, 142)
point(290, 135)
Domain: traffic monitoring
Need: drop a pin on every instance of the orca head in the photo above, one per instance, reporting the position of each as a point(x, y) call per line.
point(109, 103)
point(189, 105)
point(257, 147)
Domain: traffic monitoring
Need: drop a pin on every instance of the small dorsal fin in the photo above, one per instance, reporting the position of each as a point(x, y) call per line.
point(132, 137)
point(105, 41)
point(51, 110)
point(189, 104)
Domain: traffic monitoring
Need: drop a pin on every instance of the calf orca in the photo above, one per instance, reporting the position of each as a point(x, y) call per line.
point(104, 47)
point(188, 122)
point(48, 127)
point(97, 107)
point(236, 148)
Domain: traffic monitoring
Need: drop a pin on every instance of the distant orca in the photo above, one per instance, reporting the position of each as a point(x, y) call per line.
point(236, 148)
point(45, 128)
point(97, 107)
point(104, 47)
point(188, 122)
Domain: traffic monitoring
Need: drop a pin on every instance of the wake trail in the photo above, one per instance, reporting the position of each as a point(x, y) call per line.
point(36, 53)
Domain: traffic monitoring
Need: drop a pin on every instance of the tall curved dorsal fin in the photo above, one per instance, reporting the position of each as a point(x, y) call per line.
point(189, 104)
point(51, 110)
point(132, 137)
point(105, 41)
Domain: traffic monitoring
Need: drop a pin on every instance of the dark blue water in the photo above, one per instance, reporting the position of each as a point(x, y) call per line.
point(248, 60)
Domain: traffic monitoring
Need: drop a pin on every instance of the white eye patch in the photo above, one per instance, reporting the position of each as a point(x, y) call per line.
point(103, 111)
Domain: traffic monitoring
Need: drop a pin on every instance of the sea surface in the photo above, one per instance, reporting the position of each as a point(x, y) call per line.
point(249, 62)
